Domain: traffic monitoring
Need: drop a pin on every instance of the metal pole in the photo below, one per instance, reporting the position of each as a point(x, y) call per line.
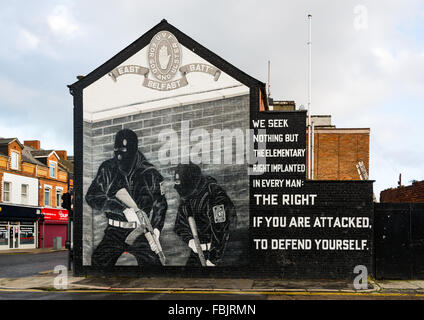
point(310, 98)
point(68, 235)
point(269, 79)
point(312, 150)
point(44, 235)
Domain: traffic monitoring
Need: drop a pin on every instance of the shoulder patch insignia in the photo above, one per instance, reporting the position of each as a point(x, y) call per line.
point(162, 188)
point(219, 213)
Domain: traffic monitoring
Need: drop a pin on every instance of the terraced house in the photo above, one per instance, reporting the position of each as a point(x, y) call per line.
point(32, 182)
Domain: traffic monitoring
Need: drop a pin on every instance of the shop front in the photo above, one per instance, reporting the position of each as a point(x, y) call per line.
point(53, 225)
point(18, 227)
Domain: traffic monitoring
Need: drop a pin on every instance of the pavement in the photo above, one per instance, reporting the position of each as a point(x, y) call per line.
point(49, 280)
point(30, 251)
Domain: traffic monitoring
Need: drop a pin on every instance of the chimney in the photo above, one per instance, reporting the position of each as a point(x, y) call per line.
point(62, 154)
point(283, 105)
point(35, 144)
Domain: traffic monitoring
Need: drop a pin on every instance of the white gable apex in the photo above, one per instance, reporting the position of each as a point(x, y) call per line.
point(134, 86)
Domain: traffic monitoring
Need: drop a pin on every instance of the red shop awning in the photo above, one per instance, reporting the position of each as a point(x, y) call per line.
point(50, 214)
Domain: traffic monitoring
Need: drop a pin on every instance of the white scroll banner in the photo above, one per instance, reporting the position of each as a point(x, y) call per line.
point(130, 69)
point(165, 85)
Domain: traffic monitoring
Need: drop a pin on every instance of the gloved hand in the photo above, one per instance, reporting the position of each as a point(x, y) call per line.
point(204, 247)
point(209, 263)
point(131, 216)
point(152, 243)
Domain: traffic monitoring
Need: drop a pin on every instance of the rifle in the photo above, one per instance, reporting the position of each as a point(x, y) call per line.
point(193, 228)
point(125, 197)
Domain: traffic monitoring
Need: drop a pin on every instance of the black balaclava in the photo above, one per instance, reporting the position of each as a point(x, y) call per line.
point(126, 147)
point(187, 177)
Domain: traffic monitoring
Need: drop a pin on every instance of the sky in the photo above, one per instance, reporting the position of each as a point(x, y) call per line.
point(367, 63)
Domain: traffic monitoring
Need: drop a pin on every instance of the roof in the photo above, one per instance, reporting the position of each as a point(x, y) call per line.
point(41, 153)
point(27, 156)
point(31, 155)
point(182, 38)
point(67, 165)
point(6, 141)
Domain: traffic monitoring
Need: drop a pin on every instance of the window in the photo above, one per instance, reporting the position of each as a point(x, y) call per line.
point(24, 194)
point(14, 160)
point(52, 169)
point(59, 198)
point(6, 191)
point(4, 236)
point(27, 234)
point(47, 197)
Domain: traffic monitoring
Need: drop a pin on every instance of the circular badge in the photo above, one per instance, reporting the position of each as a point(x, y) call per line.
point(164, 56)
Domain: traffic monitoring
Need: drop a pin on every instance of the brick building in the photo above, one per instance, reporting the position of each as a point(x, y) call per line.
point(32, 181)
point(175, 94)
point(206, 94)
point(404, 194)
point(337, 151)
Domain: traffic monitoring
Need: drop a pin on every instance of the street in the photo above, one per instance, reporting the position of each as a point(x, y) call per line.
point(26, 265)
point(201, 296)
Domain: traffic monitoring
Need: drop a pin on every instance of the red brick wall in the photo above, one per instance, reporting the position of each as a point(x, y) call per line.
point(62, 154)
point(337, 151)
point(413, 193)
point(54, 185)
point(33, 144)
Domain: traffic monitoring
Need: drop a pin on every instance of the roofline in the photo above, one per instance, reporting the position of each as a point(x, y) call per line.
point(324, 127)
point(145, 39)
point(47, 155)
point(15, 139)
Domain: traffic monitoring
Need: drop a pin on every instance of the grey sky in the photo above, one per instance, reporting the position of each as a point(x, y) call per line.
point(368, 71)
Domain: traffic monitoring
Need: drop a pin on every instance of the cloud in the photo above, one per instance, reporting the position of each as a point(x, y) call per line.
point(61, 22)
point(364, 77)
point(48, 136)
point(35, 114)
point(27, 40)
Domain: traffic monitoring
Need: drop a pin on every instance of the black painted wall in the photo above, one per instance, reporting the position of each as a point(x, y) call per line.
point(399, 240)
point(334, 199)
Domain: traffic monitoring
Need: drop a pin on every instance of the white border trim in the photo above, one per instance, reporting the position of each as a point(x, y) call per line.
point(176, 101)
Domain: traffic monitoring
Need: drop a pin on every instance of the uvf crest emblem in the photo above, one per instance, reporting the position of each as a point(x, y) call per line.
point(219, 213)
point(164, 56)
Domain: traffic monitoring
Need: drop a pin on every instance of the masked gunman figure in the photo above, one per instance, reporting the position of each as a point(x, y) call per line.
point(130, 170)
point(205, 202)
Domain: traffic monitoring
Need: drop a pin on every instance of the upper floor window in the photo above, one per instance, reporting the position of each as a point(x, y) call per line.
point(47, 199)
point(52, 169)
point(24, 193)
point(6, 191)
point(14, 160)
point(59, 198)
